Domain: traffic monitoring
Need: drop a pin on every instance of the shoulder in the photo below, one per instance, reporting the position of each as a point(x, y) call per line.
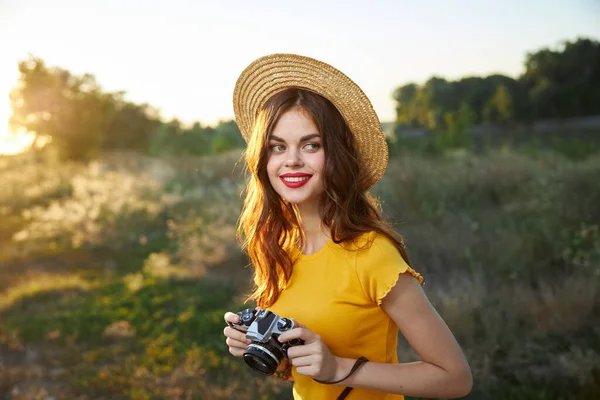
point(378, 265)
point(373, 244)
point(377, 254)
point(371, 250)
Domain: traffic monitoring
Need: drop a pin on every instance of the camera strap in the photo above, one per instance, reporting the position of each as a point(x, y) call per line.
point(361, 360)
point(345, 393)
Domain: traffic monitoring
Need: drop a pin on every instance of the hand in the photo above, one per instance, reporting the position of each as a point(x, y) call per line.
point(236, 340)
point(313, 358)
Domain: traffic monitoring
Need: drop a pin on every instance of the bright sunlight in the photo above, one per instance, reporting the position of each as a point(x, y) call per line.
point(10, 142)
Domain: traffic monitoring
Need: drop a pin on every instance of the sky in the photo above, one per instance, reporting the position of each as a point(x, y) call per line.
point(184, 57)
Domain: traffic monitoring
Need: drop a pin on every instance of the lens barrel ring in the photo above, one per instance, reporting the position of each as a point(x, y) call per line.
point(264, 358)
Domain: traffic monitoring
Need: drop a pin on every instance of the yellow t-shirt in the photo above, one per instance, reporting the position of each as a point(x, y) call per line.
point(337, 293)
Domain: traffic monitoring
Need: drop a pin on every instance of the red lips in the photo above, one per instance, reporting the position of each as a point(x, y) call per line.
point(295, 185)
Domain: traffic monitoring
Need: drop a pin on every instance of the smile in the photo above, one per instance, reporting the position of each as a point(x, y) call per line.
point(294, 182)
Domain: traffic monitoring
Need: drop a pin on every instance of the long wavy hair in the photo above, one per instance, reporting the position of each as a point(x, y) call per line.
point(268, 228)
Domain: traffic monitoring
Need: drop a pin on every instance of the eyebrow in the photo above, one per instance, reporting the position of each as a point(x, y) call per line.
point(302, 139)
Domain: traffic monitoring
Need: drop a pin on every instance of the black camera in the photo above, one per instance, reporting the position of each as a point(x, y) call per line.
point(263, 327)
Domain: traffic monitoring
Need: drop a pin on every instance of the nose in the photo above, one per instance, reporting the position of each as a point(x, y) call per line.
point(294, 160)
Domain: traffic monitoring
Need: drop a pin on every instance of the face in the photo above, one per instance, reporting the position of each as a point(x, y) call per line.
point(296, 158)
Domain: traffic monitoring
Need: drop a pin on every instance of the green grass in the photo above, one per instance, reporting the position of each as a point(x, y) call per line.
point(116, 275)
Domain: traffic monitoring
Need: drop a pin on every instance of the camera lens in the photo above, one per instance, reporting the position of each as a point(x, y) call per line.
point(264, 358)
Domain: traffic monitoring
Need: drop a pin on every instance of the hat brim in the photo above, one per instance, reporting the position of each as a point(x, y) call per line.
point(273, 73)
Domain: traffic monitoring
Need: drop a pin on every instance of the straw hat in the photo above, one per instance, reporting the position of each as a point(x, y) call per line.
point(273, 73)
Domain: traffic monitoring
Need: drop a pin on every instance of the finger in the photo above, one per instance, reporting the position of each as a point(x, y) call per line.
point(303, 361)
point(231, 317)
point(301, 351)
point(299, 333)
point(307, 370)
point(236, 352)
point(236, 343)
point(235, 334)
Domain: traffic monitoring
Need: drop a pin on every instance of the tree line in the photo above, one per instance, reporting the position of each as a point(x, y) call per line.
point(560, 83)
point(82, 119)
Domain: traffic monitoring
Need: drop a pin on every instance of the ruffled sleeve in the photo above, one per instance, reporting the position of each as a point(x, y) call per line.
point(378, 267)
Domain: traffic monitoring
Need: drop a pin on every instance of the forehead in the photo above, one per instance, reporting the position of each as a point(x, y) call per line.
point(294, 123)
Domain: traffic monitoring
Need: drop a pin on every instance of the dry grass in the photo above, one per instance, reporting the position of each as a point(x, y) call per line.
point(115, 275)
point(40, 284)
point(557, 306)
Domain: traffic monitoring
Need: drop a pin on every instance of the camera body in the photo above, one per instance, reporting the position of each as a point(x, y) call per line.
point(263, 327)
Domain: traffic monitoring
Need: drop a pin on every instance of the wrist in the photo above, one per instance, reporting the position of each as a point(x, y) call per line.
point(343, 368)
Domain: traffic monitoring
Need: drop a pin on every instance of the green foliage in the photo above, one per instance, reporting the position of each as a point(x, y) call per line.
point(495, 98)
point(566, 82)
point(81, 119)
point(71, 110)
point(227, 137)
point(172, 139)
point(131, 126)
point(510, 211)
point(574, 148)
point(452, 135)
point(191, 312)
point(555, 84)
point(509, 246)
point(499, 109)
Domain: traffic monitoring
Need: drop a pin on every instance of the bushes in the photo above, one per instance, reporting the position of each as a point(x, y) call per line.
point(523, 216)
point(509, 246)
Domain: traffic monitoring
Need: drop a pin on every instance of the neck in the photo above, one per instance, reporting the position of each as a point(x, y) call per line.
point(315, 233)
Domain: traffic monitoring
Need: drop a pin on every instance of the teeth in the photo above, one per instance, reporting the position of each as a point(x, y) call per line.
point(304, 178)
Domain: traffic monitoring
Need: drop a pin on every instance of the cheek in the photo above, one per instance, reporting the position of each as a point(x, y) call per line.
point(318, 163)
point(272, 170)
point(270, 166)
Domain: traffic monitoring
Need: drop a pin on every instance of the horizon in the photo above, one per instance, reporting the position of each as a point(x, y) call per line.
point(183, 59)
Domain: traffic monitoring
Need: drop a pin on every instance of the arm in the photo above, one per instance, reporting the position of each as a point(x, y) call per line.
point(443, 371)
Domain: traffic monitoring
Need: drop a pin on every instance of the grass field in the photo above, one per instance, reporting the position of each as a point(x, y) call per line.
point(114, 276)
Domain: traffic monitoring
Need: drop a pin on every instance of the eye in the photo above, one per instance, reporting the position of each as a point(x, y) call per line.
point(313, 146)
point(277, 148)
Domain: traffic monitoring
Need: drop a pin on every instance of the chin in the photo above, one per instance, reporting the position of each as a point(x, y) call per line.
point(294, 199)
point(293, 196)
point(301, 199)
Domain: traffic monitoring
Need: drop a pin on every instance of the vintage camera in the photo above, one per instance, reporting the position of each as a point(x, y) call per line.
point(263, 327)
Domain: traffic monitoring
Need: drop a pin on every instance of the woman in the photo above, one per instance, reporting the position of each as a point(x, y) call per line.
point(321, 252)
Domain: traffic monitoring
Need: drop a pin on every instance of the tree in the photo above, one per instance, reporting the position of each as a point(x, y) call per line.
point(227, 136)
point(556, 84)
point(131, 126)
point(499, 109)
point(71, 110)
point(566, 82)
point(405, 104)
